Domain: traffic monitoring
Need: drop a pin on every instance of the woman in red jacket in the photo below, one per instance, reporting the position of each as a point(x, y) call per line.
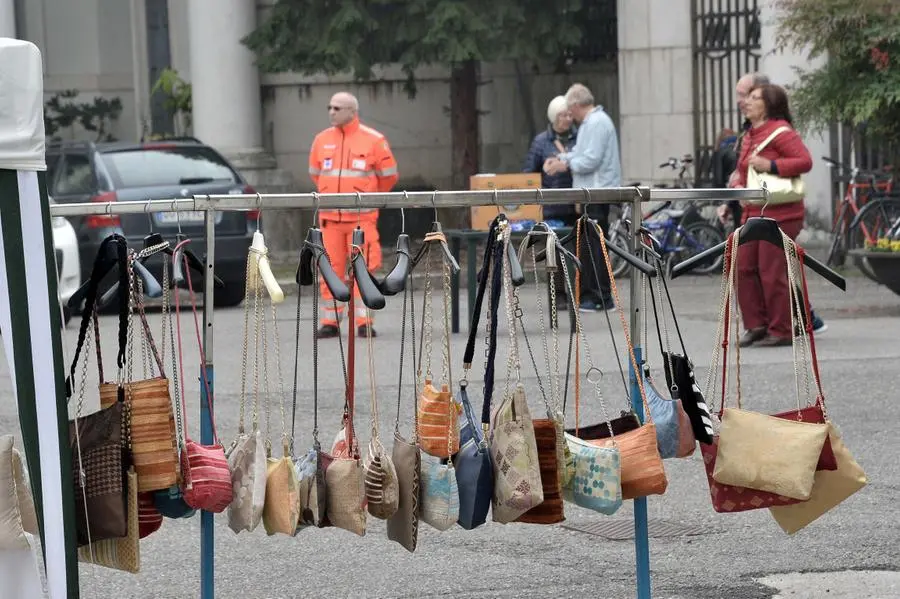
point(763, 286)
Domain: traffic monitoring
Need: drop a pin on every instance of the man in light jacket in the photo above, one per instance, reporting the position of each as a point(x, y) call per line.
point(594, 163)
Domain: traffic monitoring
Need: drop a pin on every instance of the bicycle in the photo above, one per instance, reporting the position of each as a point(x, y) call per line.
point(679, 235)
point(861, 218)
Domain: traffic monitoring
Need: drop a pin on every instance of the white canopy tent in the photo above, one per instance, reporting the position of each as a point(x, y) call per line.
point(30, 320)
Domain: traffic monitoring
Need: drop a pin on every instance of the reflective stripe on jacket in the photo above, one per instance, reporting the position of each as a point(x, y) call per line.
point(349, 159)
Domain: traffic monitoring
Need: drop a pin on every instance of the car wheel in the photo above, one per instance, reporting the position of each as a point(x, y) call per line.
point(230, 295)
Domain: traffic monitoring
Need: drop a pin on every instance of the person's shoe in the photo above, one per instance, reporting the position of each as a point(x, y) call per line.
point(818, 324)
point(589, 306)
point(773, 341)
point(752, 336)
point(328, 331)
point(365, 330)
point(609, 303)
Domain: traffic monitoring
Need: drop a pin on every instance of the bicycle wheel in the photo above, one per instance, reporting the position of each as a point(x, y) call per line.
point(696, 238)
point(873, 222)
point(619, 237)
point(838, 252)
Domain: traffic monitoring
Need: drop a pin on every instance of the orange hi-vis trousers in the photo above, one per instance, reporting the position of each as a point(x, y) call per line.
point(337, 236)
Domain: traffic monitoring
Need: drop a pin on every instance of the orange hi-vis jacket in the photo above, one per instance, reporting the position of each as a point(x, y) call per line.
point(348, 159)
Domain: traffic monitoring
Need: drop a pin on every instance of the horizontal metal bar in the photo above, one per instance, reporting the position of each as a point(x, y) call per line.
point(417, 199)
point(705, 195)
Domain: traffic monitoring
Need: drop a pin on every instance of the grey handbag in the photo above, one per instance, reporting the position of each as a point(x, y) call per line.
point(403, 526)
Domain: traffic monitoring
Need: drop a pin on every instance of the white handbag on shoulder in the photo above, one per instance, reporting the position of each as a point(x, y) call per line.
point(782, 190)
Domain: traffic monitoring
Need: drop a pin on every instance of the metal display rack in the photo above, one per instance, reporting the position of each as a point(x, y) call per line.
point(210, 204)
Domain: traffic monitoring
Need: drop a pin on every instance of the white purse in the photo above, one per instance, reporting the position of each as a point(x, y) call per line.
point(781, 190)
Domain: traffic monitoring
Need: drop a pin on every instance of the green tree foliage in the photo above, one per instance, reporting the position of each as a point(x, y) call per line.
point(355, 36)
point(64, 111)
point(859, 80)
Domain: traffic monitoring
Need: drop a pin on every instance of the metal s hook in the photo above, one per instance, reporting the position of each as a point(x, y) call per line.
point(765, 189)
point(434, 205)
point(496, 200)
point(403, 212)
point(177, 215)
point(315, 196)
point(358, 210)
point(149, 217)
point(259, 210)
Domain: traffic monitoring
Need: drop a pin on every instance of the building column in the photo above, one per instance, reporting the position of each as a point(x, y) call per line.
point(779, 65)
point(8, 18)
point(227, 111)
point(656, 109)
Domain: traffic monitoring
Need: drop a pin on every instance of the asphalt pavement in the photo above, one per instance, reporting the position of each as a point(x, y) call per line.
point(853, 549)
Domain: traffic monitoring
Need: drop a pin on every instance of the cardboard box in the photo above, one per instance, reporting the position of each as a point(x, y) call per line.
point(483, 215)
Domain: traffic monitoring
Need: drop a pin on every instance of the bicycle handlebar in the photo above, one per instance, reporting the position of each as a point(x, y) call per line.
point(855, 171)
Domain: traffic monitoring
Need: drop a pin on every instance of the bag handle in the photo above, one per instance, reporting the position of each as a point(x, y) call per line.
point(410, 339)
point(90, 308)
point(203, 372)
point(766, 141)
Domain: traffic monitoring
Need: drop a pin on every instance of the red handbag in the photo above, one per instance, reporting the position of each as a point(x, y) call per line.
point(729, 498)
point(206, 476)
point(149, 518)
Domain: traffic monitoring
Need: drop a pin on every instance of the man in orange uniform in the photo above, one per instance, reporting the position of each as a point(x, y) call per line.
point(349, 157)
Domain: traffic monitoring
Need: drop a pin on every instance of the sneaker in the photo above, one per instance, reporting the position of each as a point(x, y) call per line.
point(819, 325)
point(365, 330)
point(328, 331)
point(608, 303)
point(588, 306)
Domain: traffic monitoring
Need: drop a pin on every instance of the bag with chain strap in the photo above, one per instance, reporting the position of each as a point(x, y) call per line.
point(474, 467)
point(382, 488)
point(728, 497)
point(438, 412)
point(247, 453)
point(206, 477)
point(642, 470)
point(518, 485)
point(310, 467)
point(100, 441)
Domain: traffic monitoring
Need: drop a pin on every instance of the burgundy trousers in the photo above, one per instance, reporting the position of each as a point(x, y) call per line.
point(763, 284)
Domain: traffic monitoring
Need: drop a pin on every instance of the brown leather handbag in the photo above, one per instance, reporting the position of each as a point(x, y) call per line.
point(550, 511)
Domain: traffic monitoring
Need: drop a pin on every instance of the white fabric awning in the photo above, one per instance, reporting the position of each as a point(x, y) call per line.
point(21, 106)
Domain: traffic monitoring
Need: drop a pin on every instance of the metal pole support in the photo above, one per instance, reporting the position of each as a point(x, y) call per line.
point(641, 532)
point(207, 525)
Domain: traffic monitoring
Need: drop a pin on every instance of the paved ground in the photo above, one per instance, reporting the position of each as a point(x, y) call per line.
point(736, 556)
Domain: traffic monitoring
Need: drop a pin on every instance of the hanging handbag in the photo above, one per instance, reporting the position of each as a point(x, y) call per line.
point(382, 488)
point(831, 487)
point(674, 434)
point(474, 468)
point(518, 485)
point(170, 501)
point(403, 526)
point(344, 472)
point(765, 452)
point(309, 467)
point(438, 492)
point(152, 430)
point(643, 473)
point(725, 497)
point(597, 484)
point(206, 476)
point(781, 190)
point(120, 553)
point(100, 441)
point(17, 514)
point(247, 453)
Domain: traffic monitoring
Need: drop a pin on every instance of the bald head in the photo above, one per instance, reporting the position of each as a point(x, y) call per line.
point(342, 108)
point(747, 83)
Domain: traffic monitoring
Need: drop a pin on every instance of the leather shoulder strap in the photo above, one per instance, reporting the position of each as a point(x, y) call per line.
point(766, 141)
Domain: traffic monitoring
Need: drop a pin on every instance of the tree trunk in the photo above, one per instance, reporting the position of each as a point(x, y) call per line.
point(463, 131)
